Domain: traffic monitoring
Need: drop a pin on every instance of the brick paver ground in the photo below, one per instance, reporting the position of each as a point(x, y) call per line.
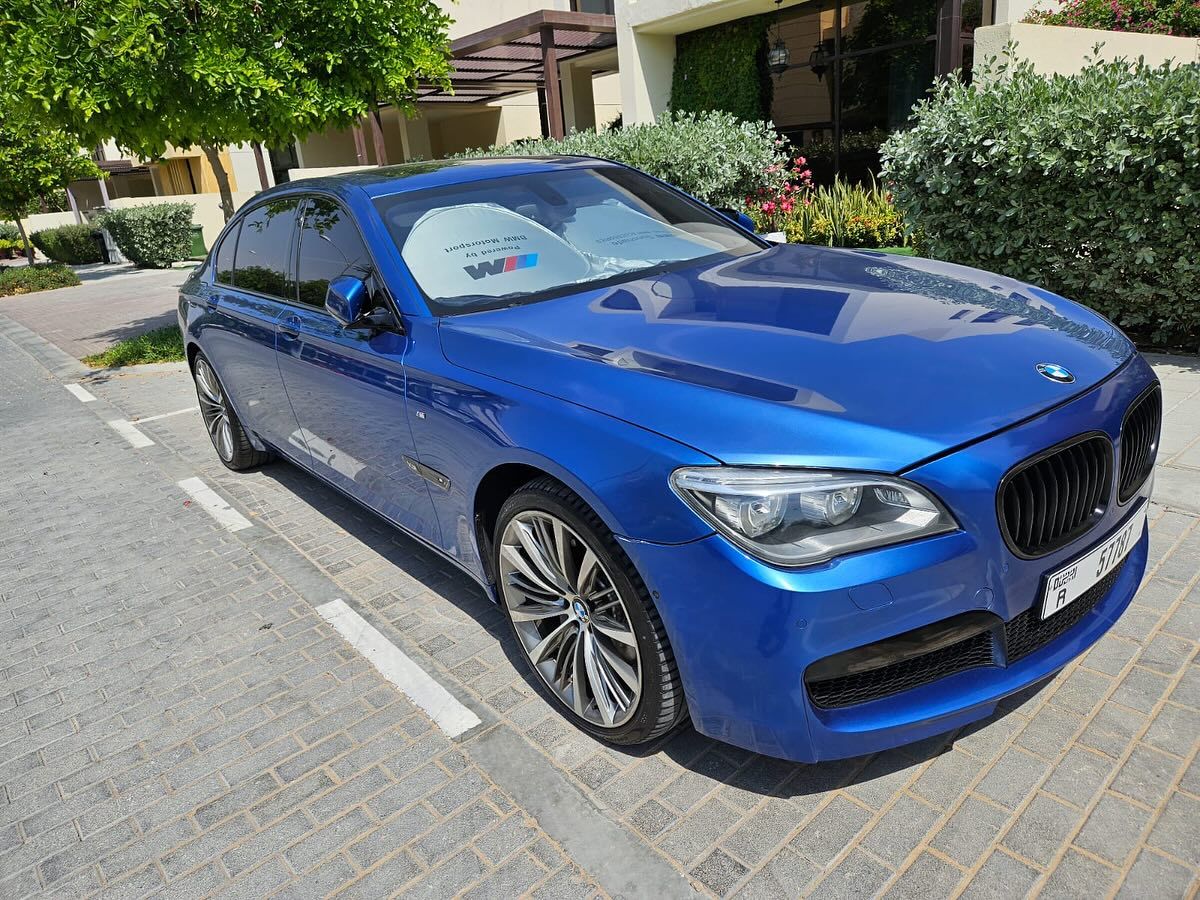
point(1087, 787)
point(175, 717)
point(113, 303)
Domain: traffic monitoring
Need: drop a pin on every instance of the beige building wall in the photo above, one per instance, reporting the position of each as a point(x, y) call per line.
point(1055, 50)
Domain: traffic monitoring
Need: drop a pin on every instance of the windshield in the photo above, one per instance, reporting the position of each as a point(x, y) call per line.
point(530, 237)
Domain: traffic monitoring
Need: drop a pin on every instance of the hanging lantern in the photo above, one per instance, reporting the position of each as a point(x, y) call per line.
point(779, 58)
point(818, 60)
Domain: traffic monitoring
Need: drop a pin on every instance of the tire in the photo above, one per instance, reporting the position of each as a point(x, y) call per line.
point(584, 610)
point(228, 436)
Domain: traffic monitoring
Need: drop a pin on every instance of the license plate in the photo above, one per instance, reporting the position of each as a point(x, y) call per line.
point(1072, 581)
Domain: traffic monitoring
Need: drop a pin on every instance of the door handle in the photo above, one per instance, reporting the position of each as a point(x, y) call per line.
point(290, 327)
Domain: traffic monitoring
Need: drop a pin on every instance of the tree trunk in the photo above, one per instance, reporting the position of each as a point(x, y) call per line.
point(261, 162)
point(25, 238)
point(214, 159)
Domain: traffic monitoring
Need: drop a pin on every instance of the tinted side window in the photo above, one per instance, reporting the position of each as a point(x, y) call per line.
point(329, 246)
point(223, 258)
point(264, 248)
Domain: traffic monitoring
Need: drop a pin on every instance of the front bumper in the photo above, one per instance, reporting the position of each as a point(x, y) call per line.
point(744, 632)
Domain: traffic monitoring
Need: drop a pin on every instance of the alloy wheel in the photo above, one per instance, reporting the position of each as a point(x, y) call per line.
point(570, 618)
point(214, 409)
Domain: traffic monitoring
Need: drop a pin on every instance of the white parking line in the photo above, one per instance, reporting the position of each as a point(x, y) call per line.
point(227, 517)
point(126, 430)
point(178, 412)
point(451, 716)
point(81, 393)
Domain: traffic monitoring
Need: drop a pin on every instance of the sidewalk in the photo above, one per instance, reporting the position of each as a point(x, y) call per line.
point(113, 303)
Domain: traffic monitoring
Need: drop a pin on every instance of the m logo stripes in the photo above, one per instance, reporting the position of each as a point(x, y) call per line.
point(501, 264)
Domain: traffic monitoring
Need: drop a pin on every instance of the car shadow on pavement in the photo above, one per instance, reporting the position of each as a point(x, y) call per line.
point(98, 272)
point(685, 747)
point(125, 330)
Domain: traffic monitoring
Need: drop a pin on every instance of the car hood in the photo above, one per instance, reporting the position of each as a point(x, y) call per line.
point(801, 355)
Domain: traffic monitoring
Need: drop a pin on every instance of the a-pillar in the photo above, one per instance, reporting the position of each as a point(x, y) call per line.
point(579, 106)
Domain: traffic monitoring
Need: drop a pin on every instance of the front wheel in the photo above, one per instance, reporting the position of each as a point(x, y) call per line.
point(228, 437)
point(583, 617)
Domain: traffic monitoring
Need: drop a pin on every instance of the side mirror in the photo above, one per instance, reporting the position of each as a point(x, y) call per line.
point(737, 216)
point(345, 298)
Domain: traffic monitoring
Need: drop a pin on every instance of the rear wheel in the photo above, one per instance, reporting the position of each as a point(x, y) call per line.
point(583, 617)
point(228, 437)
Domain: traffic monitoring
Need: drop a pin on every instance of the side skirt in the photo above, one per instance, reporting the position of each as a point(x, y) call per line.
point(488, 587)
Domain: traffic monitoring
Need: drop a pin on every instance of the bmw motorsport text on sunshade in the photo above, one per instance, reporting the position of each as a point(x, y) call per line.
point(822, 501)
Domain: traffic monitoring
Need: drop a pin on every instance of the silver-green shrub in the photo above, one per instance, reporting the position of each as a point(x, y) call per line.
point(1088, 185)
point(153, 236)
point(714, 156)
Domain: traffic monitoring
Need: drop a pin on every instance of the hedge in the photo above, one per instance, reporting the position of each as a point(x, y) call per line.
point(154, 236)
point(73, 244)
point(1088, 185)
point(713, 156)
point(30, 279)
point(724, 68)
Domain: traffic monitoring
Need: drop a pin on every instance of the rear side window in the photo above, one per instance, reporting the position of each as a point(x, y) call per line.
point(330, 246)
point(264, 249)
point(223, 258)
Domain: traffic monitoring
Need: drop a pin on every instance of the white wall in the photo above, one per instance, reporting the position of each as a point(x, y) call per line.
point(245, 168)
point(678, 16)
point(475, 15)
point(1009, 11)
point(40, 221)
point(206, 208)
point(1055, 50)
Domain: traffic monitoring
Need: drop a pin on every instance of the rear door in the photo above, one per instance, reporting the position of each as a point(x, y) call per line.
point(251, 286)
point(347, 384)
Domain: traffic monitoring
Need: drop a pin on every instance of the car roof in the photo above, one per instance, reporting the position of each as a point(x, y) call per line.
point(383, 181)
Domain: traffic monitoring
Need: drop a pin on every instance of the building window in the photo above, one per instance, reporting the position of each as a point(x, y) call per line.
point(604, 7)
point(858, 67)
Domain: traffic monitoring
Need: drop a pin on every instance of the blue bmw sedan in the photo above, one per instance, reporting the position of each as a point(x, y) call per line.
point(821, 501)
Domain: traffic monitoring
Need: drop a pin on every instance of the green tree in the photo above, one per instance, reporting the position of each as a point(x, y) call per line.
point(208, 73)
point(35, 163)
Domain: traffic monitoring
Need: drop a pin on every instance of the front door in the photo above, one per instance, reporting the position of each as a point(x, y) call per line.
point(347, 384)
point(250, 291)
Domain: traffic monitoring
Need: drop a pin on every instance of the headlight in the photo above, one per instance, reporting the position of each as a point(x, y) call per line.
point(797, 517)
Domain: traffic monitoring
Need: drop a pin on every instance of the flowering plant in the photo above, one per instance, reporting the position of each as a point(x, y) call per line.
point(1180, 18)
point(784, 187)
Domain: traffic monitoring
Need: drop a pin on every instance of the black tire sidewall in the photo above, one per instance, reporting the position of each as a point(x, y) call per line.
point(646, 720)
point(244, 454)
